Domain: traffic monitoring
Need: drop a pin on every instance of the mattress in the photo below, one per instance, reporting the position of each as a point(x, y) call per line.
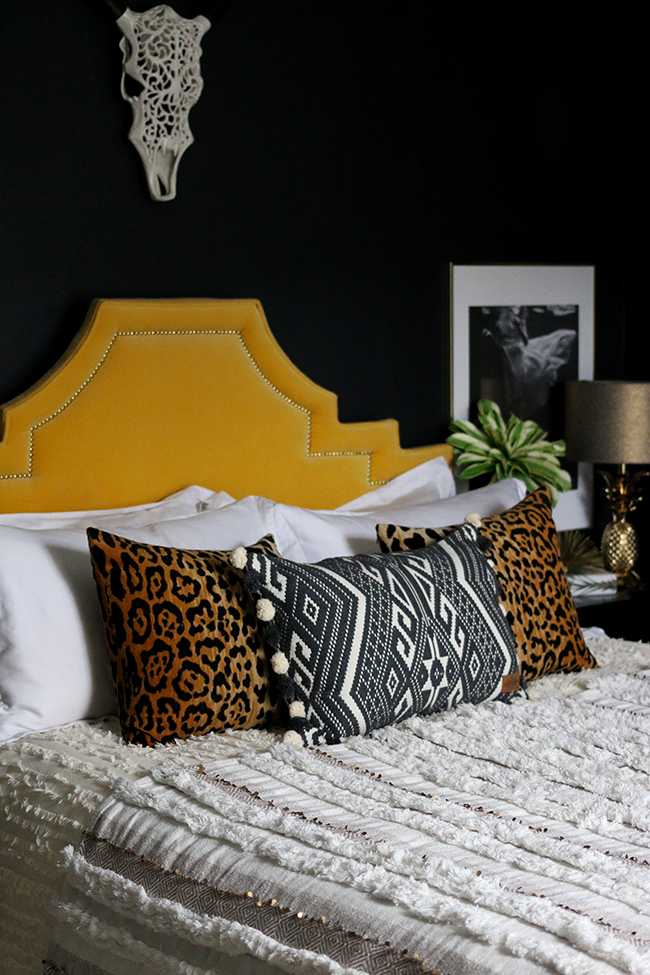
point(555, 790)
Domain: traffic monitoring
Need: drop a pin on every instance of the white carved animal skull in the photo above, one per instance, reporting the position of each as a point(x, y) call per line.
point(162, 51)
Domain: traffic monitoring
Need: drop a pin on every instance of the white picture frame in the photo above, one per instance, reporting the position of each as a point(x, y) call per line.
point(539, 291)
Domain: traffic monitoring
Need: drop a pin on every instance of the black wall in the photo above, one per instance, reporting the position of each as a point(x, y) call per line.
point(345, 153)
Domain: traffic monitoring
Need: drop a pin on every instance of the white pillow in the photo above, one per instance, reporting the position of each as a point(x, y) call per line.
point(240, 523)
point(53, 659)
point(183, 503)
point(303, 535)
point(430, 481)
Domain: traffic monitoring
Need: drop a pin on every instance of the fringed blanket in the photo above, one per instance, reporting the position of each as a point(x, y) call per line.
point(511, 839)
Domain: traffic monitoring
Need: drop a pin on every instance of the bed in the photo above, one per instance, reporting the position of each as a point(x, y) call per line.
point(494, 830)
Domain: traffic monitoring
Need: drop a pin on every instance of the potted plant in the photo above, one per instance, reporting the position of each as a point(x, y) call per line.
point(518, 448)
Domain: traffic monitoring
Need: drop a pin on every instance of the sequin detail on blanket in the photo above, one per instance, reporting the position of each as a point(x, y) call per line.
point(524, 827)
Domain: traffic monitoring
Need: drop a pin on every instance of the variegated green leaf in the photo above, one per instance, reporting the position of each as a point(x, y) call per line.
point(543, 457)
point(469, 457)
point(531, 433)
point(491, 420)
point(475, 470)
point(549, 475)
point(524, 476)
point(462, 441)
point(514, 431)
point(467, 427)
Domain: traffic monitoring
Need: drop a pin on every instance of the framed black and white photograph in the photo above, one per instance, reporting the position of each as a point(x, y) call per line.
point(519, 332)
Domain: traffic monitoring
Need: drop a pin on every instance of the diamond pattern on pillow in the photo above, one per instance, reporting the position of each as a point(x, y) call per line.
point(364, 641)
point(534, 587)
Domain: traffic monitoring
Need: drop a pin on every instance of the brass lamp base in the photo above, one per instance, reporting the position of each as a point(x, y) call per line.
point(620, 547)
point(620, 544)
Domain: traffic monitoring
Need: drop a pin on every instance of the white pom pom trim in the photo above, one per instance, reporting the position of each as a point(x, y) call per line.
point(296, 709)
point(265, 610)
point(292, 738)
point(279, 662)
point(239, 557)
point(473, 519)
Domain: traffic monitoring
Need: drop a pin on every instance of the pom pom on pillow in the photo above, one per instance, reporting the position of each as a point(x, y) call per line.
point(239, 558)
point(279, 663)
point(265, 610)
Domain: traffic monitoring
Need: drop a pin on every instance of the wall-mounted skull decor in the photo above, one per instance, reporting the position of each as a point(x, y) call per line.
point(162, 52)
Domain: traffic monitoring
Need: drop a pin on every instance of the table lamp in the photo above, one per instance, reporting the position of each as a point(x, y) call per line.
point(609, 423)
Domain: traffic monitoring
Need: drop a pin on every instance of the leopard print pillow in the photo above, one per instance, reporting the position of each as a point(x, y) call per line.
point(535, 591)
point(182, 638)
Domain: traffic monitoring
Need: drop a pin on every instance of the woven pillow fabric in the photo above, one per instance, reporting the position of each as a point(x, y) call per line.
point(534, 587)
point(183, 640)
point(367, 640)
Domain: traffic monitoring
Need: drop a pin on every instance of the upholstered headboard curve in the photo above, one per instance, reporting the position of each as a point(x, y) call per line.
point(154, 395)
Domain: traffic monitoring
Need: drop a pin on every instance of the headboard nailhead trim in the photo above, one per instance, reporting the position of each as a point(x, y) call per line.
point(231, 331)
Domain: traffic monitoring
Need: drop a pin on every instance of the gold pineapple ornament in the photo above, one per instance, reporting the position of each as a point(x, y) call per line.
point(620, 545)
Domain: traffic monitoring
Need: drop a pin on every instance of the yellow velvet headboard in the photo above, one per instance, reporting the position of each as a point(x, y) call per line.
point(155, 395)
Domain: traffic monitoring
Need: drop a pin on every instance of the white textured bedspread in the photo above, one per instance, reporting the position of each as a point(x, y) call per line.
point(511, 839)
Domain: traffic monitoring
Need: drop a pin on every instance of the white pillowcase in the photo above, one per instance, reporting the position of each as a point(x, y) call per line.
point(426, 482)
point(241, 523)
point(432, 479)
point(183, 503)
point(53, 660)
point(309, 536)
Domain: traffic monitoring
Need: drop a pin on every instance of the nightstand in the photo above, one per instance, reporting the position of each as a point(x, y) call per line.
point(625, 615)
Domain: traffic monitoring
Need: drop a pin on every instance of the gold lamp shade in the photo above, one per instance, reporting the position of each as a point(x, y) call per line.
point(608, 422)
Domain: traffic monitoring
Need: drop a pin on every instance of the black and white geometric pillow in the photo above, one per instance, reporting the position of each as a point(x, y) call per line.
point(363, 641)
